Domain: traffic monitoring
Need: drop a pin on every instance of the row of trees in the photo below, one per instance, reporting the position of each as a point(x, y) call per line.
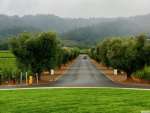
point(126, 54)
point(39, 52)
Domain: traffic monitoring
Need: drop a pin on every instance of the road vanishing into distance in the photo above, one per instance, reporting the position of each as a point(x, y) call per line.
point(82, 74)
point(85, 74)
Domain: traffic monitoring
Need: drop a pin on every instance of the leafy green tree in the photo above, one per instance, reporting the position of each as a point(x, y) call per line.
point(18, 48)
point(129, 64)
point(141, 53)
point(60, 55)
point(74, 52)
point(66, 55)
point(128, 54)
point(121, 54)
point(147, 54)
point(0, 79)
point(115, 52)
point(92, 52)
point(95, 53)
point(69, 54)
point(49, 49)
point(36, 52)
point(98, 54)
point(104, 46)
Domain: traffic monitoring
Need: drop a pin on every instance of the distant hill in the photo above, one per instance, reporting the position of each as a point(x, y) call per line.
point(81, 32)
point(12, 25)
point(121, 27)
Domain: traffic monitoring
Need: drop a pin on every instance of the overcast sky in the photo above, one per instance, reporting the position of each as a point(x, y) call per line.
point(76, 8)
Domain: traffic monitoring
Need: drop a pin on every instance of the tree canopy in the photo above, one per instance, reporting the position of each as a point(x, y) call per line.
point(127, 54)
point(42, 51)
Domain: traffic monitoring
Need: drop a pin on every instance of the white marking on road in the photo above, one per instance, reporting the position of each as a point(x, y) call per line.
point(65, 71)
point(62, 74)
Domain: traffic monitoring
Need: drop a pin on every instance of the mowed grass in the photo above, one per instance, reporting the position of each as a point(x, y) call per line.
point(83, 51)
point(6, 54)
point(76, 100)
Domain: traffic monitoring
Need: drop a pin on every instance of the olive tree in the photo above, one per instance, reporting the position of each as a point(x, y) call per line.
point(147, 54)
point(68, 54)
point(115, 53)
point(121, 55)
point(128, 55)
point(92, 52)
point(103, 48)
point(36, 52)
point(18, 48)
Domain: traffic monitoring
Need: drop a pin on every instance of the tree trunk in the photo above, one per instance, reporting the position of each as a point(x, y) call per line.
point(39, 72)
point(0, 79)
point(14, 80)
point(59, 67)
point(39, 75)
point(128, 75)
point(49, 70)
point(7, 78)
point(119, 71)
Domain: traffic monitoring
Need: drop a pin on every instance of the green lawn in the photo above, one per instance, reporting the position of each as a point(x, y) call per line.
point(6, 54)
point(83, 51)
point(74, 101)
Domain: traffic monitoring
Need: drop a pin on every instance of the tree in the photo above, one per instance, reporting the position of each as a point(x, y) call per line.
point(141, 53)
point(36, 52)
point(147, 54)
point(121, 54)
point(103, 52)
point(49, 49)
point(60, 55)
point(69, 54)
point(66, 55)
point(92, 52)
point(115, 53)
point(128, 54)
point(18, 48)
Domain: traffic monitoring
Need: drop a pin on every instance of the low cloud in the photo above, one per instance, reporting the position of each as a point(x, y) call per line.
point(76, 8)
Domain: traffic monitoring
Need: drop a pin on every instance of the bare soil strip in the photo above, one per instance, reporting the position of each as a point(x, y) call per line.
point(120, 77)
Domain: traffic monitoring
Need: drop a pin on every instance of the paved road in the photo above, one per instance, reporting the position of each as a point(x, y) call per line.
point(85, 74)
point(82, 74)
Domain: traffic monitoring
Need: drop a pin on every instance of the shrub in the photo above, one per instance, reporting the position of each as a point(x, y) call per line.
point(139, 74)
point(143, 74)
point(147, 73)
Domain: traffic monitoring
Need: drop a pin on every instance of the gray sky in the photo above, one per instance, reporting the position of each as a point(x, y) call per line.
point(76, 8)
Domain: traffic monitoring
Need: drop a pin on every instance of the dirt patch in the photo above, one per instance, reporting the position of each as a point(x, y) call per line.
point(120, 77)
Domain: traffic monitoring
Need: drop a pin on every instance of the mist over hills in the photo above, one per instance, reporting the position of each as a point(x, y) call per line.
point(12, 25)
point(81, 32)
point(121, 27)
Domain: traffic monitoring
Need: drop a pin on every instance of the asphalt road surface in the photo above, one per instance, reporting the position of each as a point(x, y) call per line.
point(82, 74)
point(85, 74)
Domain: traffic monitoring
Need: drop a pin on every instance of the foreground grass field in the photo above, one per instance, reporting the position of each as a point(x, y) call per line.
point(74, 101)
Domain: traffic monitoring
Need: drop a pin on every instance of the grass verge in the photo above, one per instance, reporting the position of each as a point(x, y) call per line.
point(76, 100)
